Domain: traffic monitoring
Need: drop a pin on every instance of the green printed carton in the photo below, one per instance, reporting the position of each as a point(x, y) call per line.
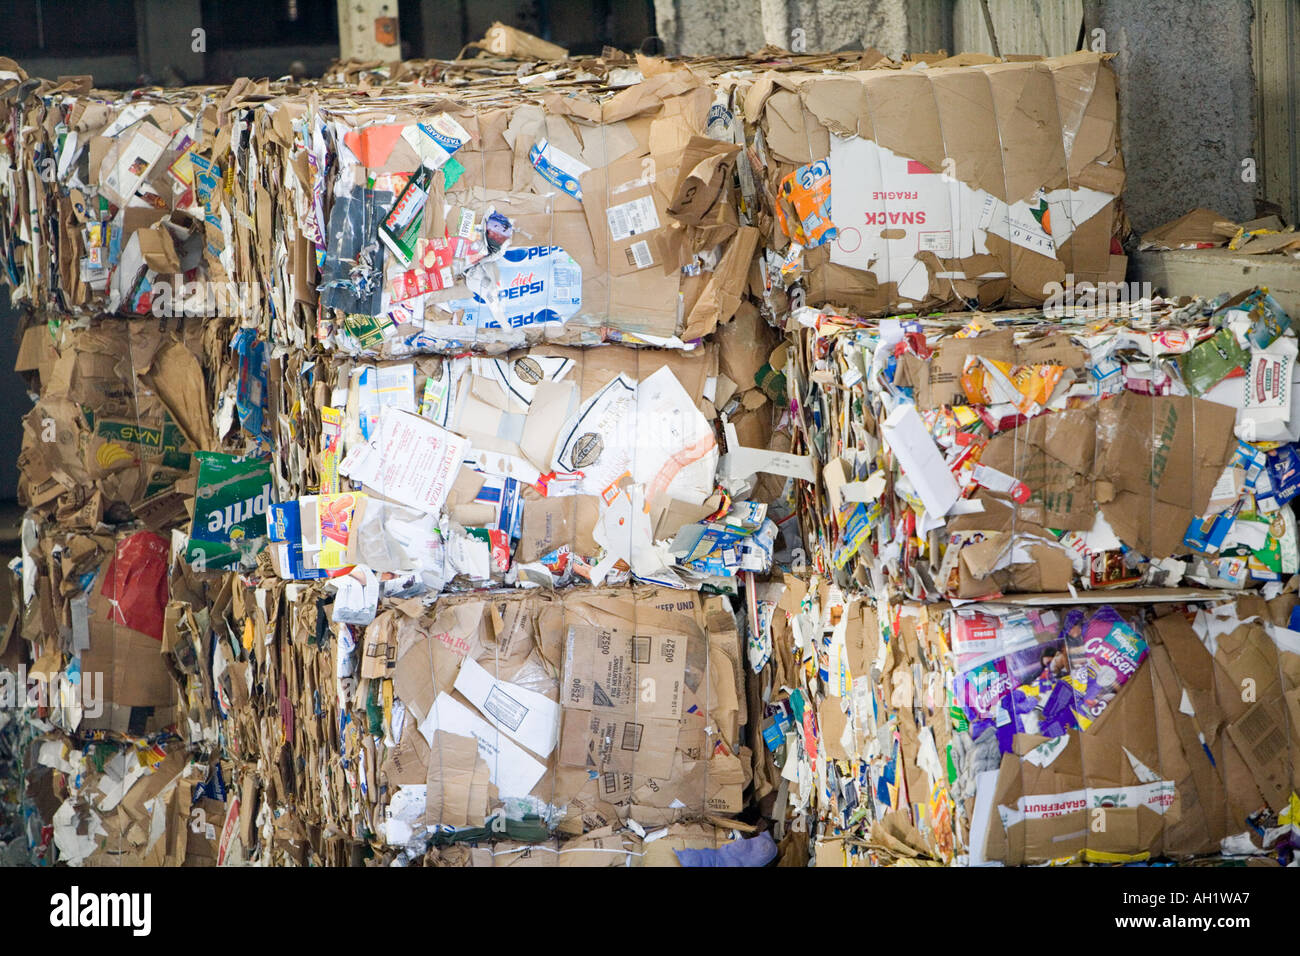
point(229, 527)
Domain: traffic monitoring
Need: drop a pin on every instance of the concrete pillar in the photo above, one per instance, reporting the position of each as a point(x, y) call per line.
point(1186, 99)
point(703, 27)
point(845, 24)
point(166, 40)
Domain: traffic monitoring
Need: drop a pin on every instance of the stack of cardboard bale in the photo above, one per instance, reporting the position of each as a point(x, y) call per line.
point(1027, 460)
point(418, 469)
point(325, 423)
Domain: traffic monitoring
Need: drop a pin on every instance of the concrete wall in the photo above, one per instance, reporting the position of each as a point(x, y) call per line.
point(223, 66)
point(1277, 81)
point(1187, 103)
point(719, 26)
point(697, 27)
point(1042, 27)
point(166, 42)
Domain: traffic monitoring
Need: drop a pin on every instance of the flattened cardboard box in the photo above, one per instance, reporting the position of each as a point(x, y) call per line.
point(947, 185)
point(623, 701)
point(667, 770)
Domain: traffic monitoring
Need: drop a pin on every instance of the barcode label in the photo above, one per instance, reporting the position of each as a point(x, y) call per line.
point(465, 224)
point(632, 736)
point(632, 218)
point(638, 255)
point(938, 242)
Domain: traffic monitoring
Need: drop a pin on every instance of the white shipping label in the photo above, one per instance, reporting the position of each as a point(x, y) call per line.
point(526, 716)
point(940, 243)
point(639, 255)
point(632, 218)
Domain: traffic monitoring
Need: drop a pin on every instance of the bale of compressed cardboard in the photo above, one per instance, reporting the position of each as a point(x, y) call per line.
point(438, 219)
point(1178, 762)
point(590, 706)
point(1031, 454)
point(890, 190)
point(554, 434)
point(1069, 733)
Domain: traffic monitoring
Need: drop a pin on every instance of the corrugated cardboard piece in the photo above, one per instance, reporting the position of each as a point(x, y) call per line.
point(942, 186)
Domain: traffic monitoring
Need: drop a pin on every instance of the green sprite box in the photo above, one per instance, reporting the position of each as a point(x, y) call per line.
point(230, 505)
